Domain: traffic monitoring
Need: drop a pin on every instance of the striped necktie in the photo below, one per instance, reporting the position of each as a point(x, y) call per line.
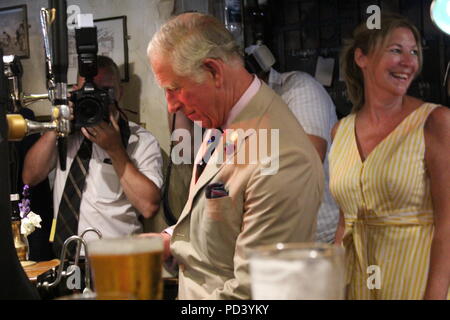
point(211, 146)
point(69, 206)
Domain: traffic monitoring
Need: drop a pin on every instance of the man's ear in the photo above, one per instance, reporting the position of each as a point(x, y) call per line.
point(215, 68)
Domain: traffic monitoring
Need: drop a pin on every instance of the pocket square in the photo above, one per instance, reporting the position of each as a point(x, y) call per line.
point(215, 190)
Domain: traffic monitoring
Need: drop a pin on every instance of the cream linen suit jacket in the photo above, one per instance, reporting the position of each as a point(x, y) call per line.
point(212, 236)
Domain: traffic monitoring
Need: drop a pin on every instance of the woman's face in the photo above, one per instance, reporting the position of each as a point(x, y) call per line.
point(391, 67)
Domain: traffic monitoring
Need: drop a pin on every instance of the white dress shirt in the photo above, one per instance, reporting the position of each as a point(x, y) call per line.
point(104, 204)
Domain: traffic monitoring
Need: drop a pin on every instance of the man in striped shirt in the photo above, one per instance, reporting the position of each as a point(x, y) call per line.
point(315, 111)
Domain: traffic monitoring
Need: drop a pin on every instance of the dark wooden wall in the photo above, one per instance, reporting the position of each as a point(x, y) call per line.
point(299, 31)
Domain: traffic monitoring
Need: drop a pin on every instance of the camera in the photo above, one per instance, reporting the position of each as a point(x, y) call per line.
point(91, 104)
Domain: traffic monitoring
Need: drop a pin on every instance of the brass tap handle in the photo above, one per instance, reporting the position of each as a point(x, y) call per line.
point(19, 127)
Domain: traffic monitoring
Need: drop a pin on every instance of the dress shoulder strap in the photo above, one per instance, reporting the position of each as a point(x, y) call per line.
point(420, 116)
point(345, 126)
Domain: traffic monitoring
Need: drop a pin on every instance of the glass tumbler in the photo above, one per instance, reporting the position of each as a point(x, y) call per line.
point(297, 271)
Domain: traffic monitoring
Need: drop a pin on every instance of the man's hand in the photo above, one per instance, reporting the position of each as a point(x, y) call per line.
point(106, 136)
point(143, 194)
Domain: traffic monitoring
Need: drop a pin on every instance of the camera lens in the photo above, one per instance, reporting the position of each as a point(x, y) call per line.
point(89, 111)
point(89, 107)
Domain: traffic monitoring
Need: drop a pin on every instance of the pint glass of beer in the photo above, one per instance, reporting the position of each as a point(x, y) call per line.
point(127, 268)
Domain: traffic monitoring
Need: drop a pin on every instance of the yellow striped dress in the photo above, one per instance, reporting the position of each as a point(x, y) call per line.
point(387, 206)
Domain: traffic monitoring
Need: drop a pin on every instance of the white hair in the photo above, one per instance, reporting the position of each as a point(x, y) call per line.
point(187, 39)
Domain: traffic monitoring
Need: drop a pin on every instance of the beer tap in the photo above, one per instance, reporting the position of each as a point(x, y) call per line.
point(13, 71)
point(78, 250)
point(46, 17)
point(18, 126)
point(56, 58)
point(59, 64)
point(71, 269)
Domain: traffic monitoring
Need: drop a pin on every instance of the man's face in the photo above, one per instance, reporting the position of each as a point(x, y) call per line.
point(104, 80)
point(198, 101)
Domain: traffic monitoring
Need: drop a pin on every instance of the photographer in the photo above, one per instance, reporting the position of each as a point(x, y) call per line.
point(123, 177)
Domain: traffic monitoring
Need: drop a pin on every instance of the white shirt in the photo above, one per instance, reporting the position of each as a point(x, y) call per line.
point(104, 204)
point(251, 91)
point(315, 111)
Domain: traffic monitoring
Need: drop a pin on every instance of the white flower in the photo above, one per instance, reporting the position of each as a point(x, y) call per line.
point(26, 227)
point(35, 219)
point(29, 223)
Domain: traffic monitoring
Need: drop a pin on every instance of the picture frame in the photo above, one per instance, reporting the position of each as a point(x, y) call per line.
point(113, 42)
point(14, 31)
point(112, 39)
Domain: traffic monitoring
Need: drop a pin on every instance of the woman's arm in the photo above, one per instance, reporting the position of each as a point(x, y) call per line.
point(437, 158)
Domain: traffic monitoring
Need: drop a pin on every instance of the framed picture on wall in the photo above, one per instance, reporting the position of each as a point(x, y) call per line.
point(112, 40)
point(14, 31)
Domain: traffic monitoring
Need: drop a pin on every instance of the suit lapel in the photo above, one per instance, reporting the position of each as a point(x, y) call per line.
point(249, 118)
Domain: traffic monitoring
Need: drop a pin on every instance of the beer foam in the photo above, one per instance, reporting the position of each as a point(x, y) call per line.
point(129, 245)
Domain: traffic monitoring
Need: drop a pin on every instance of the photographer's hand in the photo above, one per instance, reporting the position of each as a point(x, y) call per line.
point(143, 194)
point(106, 136)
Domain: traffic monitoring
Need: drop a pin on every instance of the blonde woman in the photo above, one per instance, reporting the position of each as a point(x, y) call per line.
point(389, 171)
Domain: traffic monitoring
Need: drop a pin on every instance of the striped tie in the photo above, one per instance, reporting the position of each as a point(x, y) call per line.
point(69, 207)
point(211, 146)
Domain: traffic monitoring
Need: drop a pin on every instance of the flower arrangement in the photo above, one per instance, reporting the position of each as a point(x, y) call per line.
point(30, 220)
